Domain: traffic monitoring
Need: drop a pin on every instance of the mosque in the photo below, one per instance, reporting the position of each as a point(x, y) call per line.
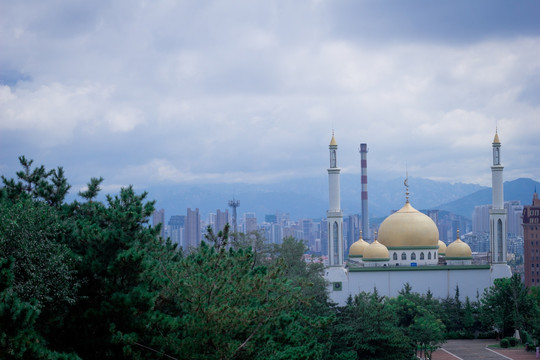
point(407, 249)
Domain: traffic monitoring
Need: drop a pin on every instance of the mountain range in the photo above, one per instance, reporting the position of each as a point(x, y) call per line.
point(308, 198)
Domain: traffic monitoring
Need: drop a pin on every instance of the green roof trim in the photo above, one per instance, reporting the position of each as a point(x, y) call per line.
point(413, 247)
point(356, 256)
point(378, 259)
point(421, 268)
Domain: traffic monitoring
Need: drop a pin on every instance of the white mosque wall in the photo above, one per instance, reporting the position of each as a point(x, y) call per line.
point(440, 280)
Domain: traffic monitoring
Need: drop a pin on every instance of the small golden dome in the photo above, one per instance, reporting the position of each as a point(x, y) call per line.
point(409, 228)
point(376, 252)
point(358, 247)
point(333, 141)
point(458, 250)
point(496, 139)
point(442, 248)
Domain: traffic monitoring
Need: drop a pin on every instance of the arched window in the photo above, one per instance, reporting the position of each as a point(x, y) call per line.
point(403, 256)
point(429, 255)
point(336, 246)
point(422, 256)
point(395, 256)
point(413, 256)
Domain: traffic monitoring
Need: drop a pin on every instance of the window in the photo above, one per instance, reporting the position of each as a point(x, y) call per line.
point(413, 256)
point(429, 255)
point(403, 256)
point(421, 256)
point(395, 256)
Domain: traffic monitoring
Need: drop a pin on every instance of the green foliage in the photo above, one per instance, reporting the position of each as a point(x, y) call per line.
point(504, 343)
point(217, 303)
point(19, 338)
point(30, 232)
point(507, 306)
point(367, 327)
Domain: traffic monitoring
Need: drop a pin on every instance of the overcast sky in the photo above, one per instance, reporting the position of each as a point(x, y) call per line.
point(150, 92)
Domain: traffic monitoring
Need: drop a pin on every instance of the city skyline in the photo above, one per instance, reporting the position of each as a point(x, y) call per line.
point(243, 92)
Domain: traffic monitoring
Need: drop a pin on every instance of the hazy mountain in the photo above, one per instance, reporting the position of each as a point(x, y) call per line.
point(519, 189)
point(308, 198)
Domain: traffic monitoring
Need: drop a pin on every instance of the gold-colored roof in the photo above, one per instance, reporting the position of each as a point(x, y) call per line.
point(458, 249)
point(496, 139)
point(442, 248)
point(376, 251)
point(358, 247)
point(408, 227)
point(333, 141)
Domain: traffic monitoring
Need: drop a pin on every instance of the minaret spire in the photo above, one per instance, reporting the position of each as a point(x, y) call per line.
point(497, 214)
point(334, 214)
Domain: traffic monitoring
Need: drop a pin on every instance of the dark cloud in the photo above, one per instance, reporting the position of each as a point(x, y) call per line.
point(460, 21)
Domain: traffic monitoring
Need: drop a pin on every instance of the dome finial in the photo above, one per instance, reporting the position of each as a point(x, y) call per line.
point(406, 183)
point(458, 238)
point(333, 140)
point(496, 138)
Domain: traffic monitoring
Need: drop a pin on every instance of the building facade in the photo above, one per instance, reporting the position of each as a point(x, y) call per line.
point(531, 241)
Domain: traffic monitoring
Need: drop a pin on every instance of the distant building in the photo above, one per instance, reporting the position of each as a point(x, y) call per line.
point(270, 218)
point(176, 229)
point(192, 229)
point(222, 219)
point(531, 239)
point(158, 217)
point(250, 222)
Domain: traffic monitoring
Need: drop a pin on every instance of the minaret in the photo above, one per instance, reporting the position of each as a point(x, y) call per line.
point(334, 215)
point(497, 214)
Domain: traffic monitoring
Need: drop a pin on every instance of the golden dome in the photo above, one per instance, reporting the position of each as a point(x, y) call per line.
point(496, 139)
point(333, 141)
point(358, 247)
point(408, 228)
point(376, 252)
point(442, 248)
point(458, 250)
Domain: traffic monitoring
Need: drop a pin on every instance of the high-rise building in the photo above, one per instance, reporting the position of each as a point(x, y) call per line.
point(514, 209)
point(531, 239)
point(192, 229)
point(176, 229)
point(270, 218)
point(222, 219)
point(480, 219)
point(158, 217)
point(354, 224)
point(334, 214)
point(250, 224)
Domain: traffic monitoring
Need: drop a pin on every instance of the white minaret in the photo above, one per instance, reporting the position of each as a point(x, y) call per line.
point(334, 215)
point(497, 214)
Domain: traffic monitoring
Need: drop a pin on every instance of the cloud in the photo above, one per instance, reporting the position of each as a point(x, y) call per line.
point(212, 91)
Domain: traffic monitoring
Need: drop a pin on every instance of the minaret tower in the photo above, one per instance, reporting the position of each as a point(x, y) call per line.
point(497, 214)
point(334, 215)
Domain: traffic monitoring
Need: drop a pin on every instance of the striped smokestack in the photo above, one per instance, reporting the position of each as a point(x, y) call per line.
point(365, 216)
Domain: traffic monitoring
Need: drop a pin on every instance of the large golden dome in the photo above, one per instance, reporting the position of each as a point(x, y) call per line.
point(358, 247)
point(408, 228)
point(376, 252)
